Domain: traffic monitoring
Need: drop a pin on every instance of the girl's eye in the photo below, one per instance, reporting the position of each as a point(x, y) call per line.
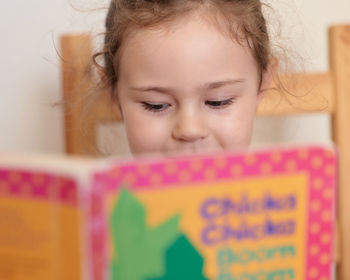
point(155, 107)
point(218, 104)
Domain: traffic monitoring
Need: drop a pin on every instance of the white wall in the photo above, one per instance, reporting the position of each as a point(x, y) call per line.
point(30, 69)
point(30, 77)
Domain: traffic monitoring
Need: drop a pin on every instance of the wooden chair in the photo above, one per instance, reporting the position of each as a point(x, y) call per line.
point(327, 92)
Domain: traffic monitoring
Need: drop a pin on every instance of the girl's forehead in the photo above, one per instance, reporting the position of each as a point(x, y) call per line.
point(186, 32)
point(184, 28)
point(191, 52)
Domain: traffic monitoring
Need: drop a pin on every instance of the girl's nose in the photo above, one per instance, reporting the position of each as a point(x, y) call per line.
point(190, 127)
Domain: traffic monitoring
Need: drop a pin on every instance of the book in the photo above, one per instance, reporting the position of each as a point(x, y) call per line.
point(259, 214)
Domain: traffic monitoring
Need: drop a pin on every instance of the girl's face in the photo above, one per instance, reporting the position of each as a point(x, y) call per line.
point(187, 89)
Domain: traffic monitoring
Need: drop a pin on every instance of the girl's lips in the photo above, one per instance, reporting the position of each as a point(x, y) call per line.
point(190, 150)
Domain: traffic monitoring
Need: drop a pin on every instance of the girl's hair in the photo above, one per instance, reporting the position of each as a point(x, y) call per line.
point(243, 20)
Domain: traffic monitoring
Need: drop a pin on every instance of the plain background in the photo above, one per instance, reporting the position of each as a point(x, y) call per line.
point(30, 81)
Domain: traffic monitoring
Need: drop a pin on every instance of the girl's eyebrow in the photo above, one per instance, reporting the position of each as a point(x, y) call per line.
point(206, 86)
point(218, 84)
point(153, 89)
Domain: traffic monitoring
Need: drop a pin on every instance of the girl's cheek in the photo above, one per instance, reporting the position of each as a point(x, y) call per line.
point(144, 127)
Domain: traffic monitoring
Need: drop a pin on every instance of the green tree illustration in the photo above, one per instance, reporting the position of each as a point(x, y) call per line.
point(139, 249)
point(182, 262)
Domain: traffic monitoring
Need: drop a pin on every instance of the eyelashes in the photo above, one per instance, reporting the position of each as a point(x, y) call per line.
point(218, 104)
point(214, 104)
point(154, 107)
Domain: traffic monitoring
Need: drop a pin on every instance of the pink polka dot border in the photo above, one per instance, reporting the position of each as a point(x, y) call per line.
point(37, 185)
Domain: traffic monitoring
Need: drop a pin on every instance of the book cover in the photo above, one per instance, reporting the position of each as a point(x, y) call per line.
point(267, 214)
point(264, 214)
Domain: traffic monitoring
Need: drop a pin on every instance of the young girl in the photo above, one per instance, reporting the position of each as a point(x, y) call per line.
point(189, 75)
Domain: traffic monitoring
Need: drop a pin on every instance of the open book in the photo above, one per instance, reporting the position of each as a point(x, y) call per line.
point(263, 214)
